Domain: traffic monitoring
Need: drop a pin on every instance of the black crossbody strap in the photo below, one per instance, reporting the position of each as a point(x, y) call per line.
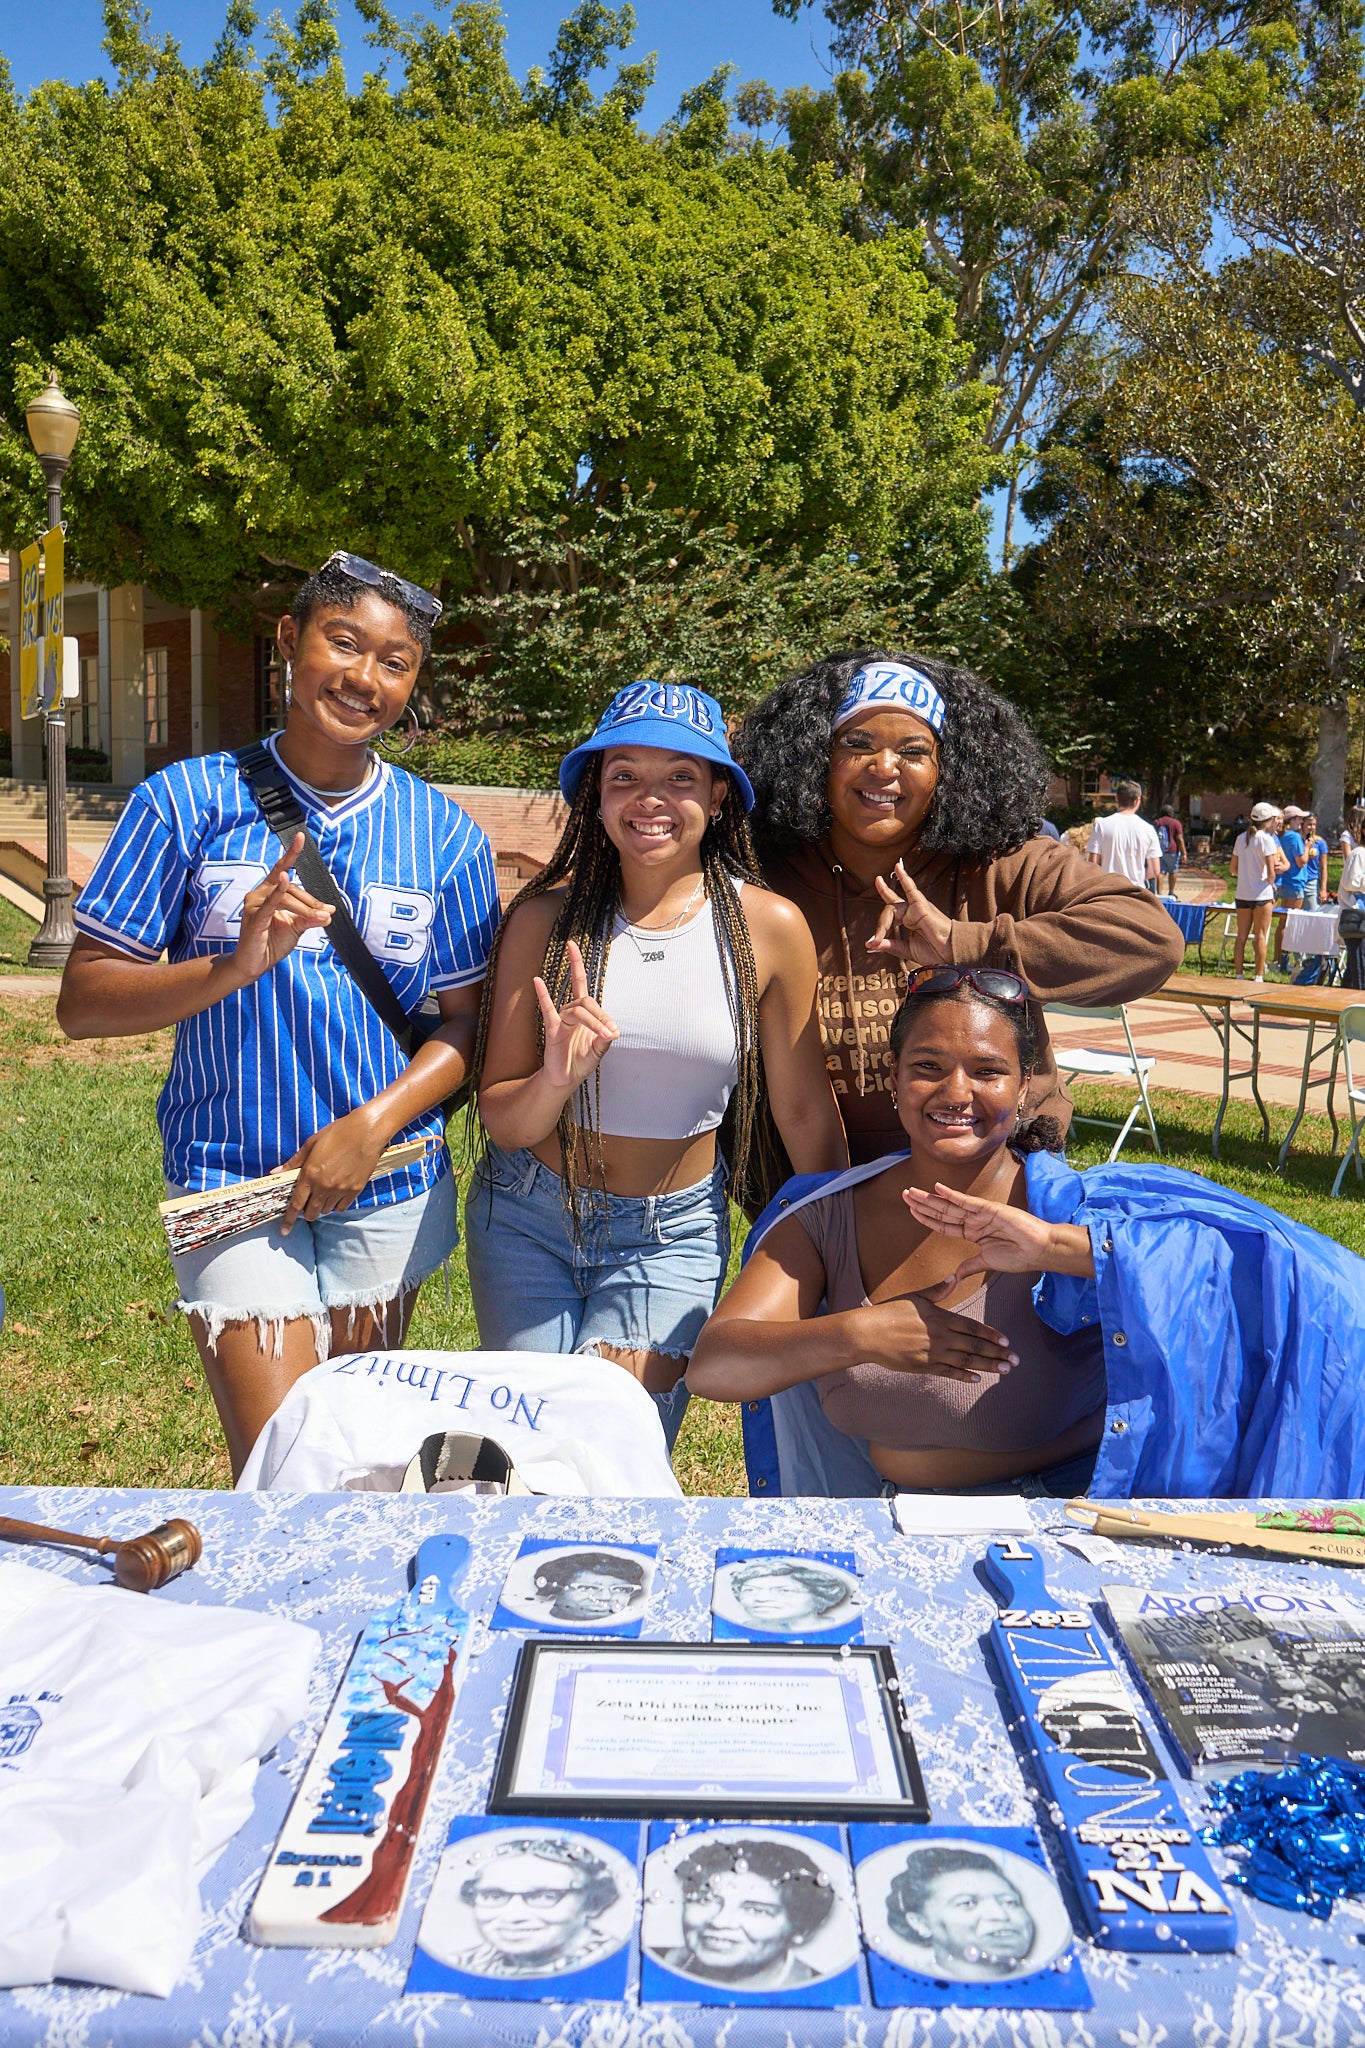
point(284, 815)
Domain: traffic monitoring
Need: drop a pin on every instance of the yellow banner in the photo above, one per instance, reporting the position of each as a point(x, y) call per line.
point(54, 614)
point(30, 627)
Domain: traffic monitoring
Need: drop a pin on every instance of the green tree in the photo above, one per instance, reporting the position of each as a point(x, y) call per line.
point(1221, 476)
point(1018, 135)
point(595, 599)
point(407, 318)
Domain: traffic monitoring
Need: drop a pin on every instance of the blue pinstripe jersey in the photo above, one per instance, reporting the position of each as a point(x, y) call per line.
point(256, 1074)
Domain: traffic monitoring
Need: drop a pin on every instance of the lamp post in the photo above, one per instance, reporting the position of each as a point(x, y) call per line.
point(53, 424)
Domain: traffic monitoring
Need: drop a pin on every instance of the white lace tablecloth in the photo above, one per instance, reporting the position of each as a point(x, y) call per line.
point(330, 1559)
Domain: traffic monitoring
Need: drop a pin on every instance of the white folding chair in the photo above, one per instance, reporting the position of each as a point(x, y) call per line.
point(1082, 1062)
point(1352, 1033)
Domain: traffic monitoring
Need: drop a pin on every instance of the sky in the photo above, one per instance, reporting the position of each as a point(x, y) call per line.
point(62, 39)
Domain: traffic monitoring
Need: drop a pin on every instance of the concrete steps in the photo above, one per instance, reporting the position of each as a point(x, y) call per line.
point(23, 805)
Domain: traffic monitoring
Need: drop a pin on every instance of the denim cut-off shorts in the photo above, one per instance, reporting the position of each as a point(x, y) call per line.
point(647, 1275)
point(348, 1259)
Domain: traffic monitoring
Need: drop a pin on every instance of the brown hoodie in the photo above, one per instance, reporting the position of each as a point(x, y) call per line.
point(1075, 935)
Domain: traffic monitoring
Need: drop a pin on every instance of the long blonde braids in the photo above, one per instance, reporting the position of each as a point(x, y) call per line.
point(586, 859)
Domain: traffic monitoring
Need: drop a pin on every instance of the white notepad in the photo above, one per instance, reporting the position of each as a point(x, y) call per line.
point(962, 1514)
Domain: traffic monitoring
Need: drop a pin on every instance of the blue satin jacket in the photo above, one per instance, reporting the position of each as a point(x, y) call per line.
point(1234, 1338)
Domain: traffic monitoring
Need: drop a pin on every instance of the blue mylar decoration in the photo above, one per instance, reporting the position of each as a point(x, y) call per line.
point(1299, 1834)
point(965, 1917)
point(773, 1920)
point(550, 1926)
point(1144, 1880)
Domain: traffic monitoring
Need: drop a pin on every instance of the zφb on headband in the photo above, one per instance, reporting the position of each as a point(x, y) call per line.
point(891, 686)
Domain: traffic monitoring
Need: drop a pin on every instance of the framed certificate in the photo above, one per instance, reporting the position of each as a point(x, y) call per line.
point(711, 1730)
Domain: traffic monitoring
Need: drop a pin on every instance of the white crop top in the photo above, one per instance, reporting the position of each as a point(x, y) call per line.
point(675, 1065)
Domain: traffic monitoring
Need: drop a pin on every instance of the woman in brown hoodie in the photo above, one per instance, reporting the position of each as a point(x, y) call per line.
point(898, 800)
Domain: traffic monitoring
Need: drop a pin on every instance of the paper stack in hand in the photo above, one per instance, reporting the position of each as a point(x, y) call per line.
point(192, 1222)
point(128, 1756)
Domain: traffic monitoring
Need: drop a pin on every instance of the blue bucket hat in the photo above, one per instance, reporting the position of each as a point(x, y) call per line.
point(671, 715)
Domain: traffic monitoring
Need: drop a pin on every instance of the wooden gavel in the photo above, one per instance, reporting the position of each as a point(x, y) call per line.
point(141, 1563)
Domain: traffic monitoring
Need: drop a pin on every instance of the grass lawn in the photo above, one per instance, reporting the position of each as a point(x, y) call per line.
point(16, 935)
point(99, 1382)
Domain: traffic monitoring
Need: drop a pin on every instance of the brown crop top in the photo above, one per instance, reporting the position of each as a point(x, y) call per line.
point(1057, 1382)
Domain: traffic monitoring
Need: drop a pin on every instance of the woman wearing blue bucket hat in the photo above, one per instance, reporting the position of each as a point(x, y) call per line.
point(642, 985)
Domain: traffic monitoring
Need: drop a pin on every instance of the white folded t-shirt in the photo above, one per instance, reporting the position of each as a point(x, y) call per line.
point(129, 1744)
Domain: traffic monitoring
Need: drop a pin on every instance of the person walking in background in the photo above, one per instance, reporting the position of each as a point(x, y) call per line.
point(1171, 839)
point(1351, 884)
point(1315, 890)
point(1256, 863)
point(1346, 840)
point(1315, 886)
point(1125, 844)
point(1293, 877)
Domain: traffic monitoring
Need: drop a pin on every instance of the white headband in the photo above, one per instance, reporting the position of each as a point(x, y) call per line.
point(890, 685)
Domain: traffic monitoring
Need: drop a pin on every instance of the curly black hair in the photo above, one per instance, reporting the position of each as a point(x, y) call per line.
point(908, 1894)
point(562, 1571)
point(331, 586)
point(807, 1897)
point(992, 783)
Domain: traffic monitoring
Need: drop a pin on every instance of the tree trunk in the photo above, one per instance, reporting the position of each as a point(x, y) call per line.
point(1329, 765)
point(1011, 505)
point(377, 1896)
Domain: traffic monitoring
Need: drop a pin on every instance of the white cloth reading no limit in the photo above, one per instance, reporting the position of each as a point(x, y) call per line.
point(129, 1743)
point(572, 1425)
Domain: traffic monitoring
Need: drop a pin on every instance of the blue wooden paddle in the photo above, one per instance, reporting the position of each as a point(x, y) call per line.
point(1144, 1880)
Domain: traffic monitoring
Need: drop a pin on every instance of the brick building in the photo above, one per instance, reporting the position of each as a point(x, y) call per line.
point(158, 682)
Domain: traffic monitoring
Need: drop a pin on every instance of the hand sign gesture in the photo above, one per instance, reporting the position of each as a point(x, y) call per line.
point(1005, 1240)
point(910, 926)
point(576, 1036)
point(275, 916)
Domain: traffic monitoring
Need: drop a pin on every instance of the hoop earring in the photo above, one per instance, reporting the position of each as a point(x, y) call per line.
point(414, 735)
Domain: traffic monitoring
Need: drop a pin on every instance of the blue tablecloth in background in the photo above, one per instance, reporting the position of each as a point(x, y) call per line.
point(1190, 917)
point(330, 1559)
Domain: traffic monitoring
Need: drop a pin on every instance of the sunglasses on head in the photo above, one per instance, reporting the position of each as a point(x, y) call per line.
point(996, 983)
point(423, 603)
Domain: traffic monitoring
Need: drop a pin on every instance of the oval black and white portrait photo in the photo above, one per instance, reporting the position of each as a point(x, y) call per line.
point(749, 1909)
point(962, 1910)
point(532, 1901)
point(785, 1595)
point(579, 1587)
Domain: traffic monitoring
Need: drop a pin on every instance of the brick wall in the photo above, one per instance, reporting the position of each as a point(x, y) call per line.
point(174, 636)
point(524, 821)
point(236, 691)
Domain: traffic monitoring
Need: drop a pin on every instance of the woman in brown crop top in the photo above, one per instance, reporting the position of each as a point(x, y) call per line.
point(939, 1361)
